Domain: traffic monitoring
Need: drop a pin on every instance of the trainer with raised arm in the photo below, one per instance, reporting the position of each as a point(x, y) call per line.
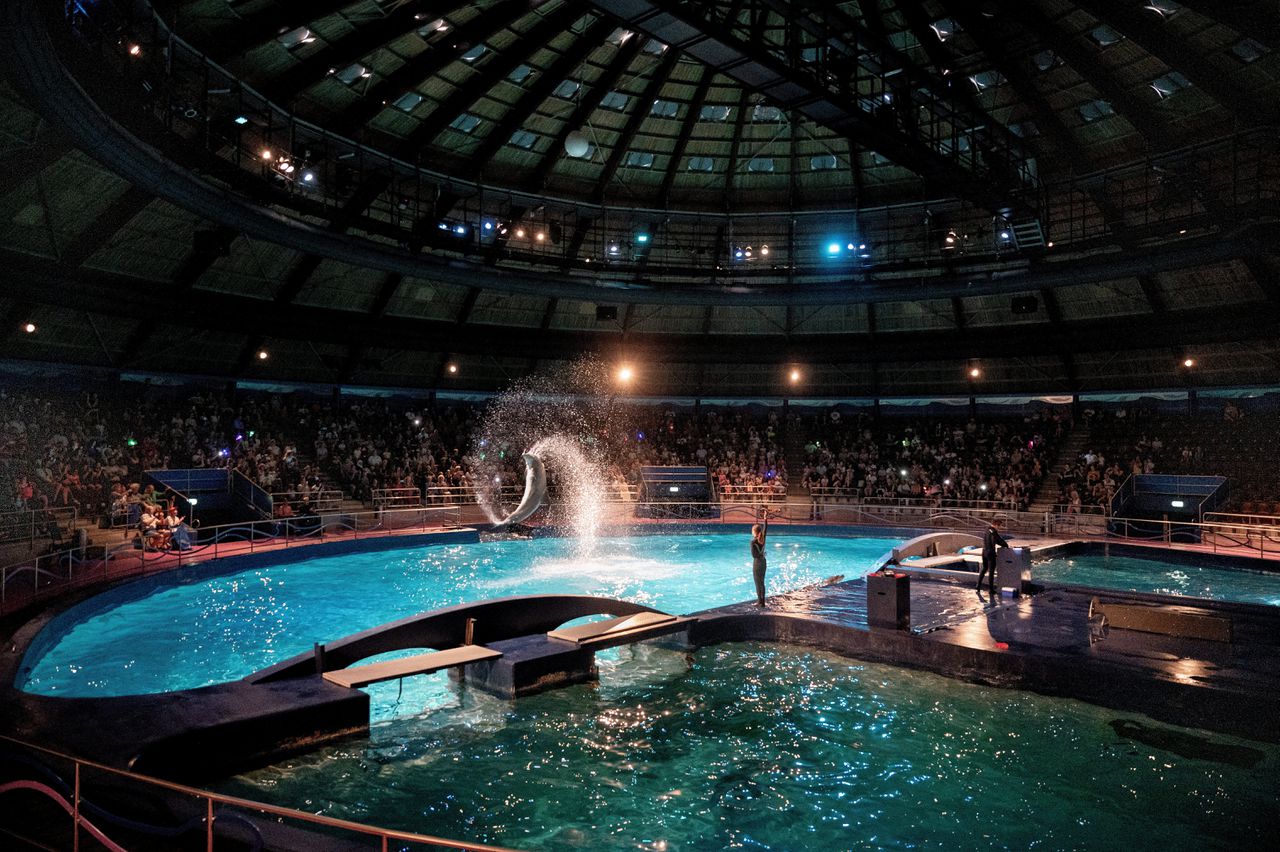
point(759, 564)
point(990, 540)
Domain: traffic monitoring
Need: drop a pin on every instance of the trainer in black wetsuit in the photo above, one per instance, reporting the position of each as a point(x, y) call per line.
point(758, 562)
point(990, 540)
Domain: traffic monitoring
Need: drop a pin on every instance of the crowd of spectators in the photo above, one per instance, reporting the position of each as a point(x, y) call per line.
point(89, 450)
point(995, 463)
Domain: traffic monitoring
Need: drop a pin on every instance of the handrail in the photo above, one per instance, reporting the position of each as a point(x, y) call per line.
point(35, 522)
point(210, 799)
point(830, 492)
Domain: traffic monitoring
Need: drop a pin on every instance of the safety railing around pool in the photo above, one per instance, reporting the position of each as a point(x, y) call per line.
point(29, 525)
point(78, 565)
point(73, 783)
point(51, 573)
point(321, 501)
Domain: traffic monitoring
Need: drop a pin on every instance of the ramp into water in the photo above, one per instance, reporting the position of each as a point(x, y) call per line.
point(358, 676)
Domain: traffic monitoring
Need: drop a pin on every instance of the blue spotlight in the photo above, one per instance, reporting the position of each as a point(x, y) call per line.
point(833, 249)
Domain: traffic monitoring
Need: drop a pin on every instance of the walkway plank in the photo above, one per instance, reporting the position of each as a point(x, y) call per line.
point(627, 628)
point(434, 661)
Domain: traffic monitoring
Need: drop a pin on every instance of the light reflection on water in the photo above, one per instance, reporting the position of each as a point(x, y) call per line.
point(227, 627)
point(762, 747)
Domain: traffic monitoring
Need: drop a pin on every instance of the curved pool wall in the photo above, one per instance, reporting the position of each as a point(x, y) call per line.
point(76, 616)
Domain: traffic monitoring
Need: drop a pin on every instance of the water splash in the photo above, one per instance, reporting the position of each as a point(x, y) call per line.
point(564, 416)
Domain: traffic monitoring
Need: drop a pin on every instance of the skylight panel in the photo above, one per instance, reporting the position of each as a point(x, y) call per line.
point(639, 159)
point(465, 123)
point(702, 164)
point(524, 139)
point(823, 163)
point(1174, 81)
point(407, 101)
point(715, 113)
point(615, 101)
point(1104, 35)
point(665, 109)
point(1096, 110)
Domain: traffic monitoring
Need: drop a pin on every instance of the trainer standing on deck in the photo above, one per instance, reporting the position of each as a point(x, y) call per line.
point(758, 562)
point(990, 539)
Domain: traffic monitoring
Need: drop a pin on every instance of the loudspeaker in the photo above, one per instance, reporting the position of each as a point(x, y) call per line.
point(1024, 304)
point(606, 313)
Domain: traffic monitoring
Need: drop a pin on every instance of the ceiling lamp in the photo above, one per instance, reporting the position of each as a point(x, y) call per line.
point(576, 144)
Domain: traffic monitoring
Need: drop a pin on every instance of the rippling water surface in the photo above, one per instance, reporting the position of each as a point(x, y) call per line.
point(761, 747)
point(1151, 575)
point(162, 634)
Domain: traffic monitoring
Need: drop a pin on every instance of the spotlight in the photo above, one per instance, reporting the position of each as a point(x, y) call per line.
point(625, 374)
point(950, 239)
point(1004, 235)
point(982, 487)
point(540, 236)
point(764, 251)
point(487, 225)
point(29, 328)
point(452, 368)
point(614, 248)
point(833, 248)
point(642, 238)
point(849, 247)
point(903, 472)
point(519, 233)
point(1188, 363)
point(795, 376)
point(946, 482)
point(739, 254)
point(460, 230)
point(308, 177)
point(974, 372)
point(266, 153)
point(135, 50)
point(241, 119)
point(263, 355)
point(417, 421)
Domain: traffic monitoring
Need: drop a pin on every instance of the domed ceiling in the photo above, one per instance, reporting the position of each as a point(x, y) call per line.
point(880, 189)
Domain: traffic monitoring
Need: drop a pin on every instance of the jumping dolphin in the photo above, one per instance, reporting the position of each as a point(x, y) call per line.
point(535, 488)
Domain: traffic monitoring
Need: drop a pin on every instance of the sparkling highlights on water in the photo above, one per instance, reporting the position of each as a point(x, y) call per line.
point(744, 746)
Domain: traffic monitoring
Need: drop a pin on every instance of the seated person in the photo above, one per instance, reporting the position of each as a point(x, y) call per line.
point(179, 532)
point(153, 536)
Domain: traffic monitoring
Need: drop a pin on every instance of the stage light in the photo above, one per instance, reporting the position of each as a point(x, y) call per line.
point(135, 50)
point(1189, 363)
point(614, 248)
point(862, 246)
point(519, 233)
point(540, 236)
point(833, 248)
point(739, 254)
point(795, 376)
point(452, 368)
point(308, 177)
point(903, 472)
point(625, 374)
point(29, 328)
point(266, 153)
point(1004, 235)
point(417, 421)
point(241, 119)
point(850, 246)
point(642, 238)
point(974, 372)
point(460, 230)
point(263, 355)
point(982, 487)
point(487, 225)
point(764, 251)
point(950, 239)
point(946, 482)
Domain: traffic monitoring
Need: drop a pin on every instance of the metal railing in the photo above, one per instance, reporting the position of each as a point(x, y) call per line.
point(750, 494)
point(79, 566)
point(831, 494)
point(325, 500)
point(394, 498)
point(206, 810)
point(32, 525)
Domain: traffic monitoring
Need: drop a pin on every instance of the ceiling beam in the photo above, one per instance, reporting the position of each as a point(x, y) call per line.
point(1150, 32)
point(493, 73)
point(536, 94)
point(104, 226)
point(426, 65)
point(1141, 115)
point(634, 121)
point(582, 112)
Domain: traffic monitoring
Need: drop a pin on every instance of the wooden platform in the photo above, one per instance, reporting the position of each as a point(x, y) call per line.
point(617, 631)
point(357, 676)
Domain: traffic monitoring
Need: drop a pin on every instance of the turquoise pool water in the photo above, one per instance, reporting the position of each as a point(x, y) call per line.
point(160, 636)
point(1164, 578)
point(762, 747)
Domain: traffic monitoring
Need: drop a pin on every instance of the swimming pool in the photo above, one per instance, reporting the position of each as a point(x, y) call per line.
point(1155, 576)
point(169, 633)
point(768, 747)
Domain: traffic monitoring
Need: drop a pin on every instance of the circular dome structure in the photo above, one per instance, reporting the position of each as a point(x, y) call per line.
point(1076, 195)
